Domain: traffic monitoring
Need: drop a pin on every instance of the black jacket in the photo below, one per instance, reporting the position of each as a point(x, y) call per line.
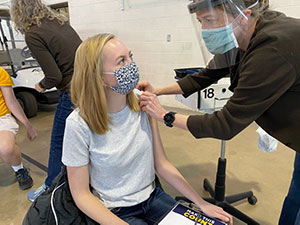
point(54, 46)
point(266, 86)
point(56, 206)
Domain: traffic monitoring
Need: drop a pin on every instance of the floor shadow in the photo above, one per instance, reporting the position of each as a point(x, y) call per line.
point(7, 175)
point(195, 174)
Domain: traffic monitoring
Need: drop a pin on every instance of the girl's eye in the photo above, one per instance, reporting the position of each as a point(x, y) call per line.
point(122, 61)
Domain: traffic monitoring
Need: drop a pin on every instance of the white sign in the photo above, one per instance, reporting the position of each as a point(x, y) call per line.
point(209, 99)
point(182, 215)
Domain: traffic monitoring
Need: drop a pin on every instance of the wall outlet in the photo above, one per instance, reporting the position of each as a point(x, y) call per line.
point(168, 37)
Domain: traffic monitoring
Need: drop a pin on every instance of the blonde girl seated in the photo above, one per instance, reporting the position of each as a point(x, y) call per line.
point(115, 148)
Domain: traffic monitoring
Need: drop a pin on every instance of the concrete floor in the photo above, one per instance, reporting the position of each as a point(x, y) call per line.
point(248, 168)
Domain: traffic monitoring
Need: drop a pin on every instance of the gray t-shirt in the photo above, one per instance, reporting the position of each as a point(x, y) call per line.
point(121, 164)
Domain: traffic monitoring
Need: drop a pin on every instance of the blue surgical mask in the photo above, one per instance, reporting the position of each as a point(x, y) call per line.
point(219, 40)
point(127, 78)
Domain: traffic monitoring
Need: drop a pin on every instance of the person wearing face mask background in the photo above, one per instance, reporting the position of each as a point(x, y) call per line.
point(115, 148)
point(260, 50)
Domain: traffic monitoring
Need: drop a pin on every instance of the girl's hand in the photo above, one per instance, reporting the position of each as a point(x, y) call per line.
point(216, 212)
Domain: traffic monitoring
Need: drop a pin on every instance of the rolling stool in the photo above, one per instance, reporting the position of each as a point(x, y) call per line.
point(218, 195)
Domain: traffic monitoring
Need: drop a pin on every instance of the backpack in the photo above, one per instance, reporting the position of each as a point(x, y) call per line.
point(56, 206)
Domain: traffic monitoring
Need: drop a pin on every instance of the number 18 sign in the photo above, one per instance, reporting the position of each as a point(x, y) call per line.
point(209, 99)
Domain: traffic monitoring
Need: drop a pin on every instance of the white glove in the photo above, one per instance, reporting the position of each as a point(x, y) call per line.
point(265, 141)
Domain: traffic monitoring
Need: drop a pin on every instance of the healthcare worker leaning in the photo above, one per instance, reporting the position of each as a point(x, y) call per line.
point(260, 50)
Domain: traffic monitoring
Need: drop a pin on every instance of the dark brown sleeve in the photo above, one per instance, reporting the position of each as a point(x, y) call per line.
point(198, 81)
point(39, 49)
point(264, 77)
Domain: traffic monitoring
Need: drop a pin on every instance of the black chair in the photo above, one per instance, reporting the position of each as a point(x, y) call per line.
point(218, 194)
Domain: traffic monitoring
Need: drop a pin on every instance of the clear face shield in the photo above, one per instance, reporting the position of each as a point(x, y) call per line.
point(222, 28)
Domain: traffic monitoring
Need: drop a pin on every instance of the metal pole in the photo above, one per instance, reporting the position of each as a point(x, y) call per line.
point(13, 44)
point(122, 5)
point(223, 149)
point(7, 50)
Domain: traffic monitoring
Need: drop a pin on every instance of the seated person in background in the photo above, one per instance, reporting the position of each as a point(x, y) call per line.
point(9, 151)
point(113, 146)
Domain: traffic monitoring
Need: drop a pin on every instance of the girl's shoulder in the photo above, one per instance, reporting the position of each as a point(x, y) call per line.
point(76, 119)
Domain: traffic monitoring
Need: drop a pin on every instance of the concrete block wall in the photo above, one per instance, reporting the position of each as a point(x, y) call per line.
point(160, 33)
point(289, 7)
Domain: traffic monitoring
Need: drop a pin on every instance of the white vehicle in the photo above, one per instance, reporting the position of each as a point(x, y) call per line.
point(24, 70)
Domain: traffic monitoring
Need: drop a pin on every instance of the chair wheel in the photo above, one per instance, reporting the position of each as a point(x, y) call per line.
point(252, 200)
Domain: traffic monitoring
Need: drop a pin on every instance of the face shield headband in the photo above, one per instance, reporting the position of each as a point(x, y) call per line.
point(198, 5)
